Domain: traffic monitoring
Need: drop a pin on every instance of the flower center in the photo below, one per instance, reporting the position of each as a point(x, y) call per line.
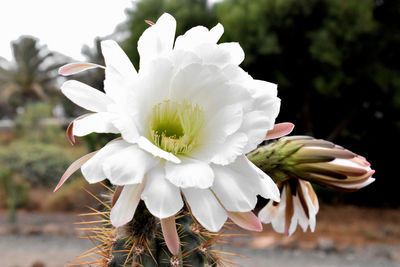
point(175, 127)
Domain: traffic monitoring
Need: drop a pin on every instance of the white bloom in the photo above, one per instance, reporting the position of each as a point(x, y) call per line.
point(187, 119)
point(297, 206)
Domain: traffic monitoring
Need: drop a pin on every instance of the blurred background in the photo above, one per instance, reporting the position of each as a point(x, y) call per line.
point(337, 66)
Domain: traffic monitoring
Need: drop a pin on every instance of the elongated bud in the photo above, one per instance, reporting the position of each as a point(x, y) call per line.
point(314, 160)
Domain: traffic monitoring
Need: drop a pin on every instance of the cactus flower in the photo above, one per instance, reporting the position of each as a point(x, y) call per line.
point(186, 118)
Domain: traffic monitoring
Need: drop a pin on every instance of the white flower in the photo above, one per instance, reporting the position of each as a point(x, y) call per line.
point(187, 119)
point(298, 205)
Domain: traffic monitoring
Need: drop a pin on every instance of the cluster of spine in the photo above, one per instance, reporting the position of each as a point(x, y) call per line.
point(141, 243)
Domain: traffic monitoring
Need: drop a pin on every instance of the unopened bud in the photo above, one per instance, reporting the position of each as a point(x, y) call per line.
point(315, 160)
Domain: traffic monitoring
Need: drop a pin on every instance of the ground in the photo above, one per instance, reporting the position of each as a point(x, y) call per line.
point(345, 236)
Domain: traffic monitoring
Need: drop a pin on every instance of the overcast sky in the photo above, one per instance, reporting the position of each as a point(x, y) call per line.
point(63, 25)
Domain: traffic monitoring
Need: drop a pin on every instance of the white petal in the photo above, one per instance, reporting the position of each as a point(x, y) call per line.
point(259, 115)
point(269, 212)
point(278, 222)
point(199, 35)
point(205, 208)
point(120, 73)
point(235, 51)
point(265, 185)
point(95, 123)
point(263, 88)
point(86, 96)
point(146, 145)
point(182, 58)
point(265, 110)
point(268, 188)
point(216, 33)
point(224, 123)
point(230, 149)
point(193, 37)
point(213, 54)
point(237, 75)
point(154, 82)
point(312, 203)
point(92, 170)
point(299, 213)
point(255, 125)
point(157, 39)
point(201, 84)
point(116, 58)
point(128, 166)
point(127, 127)
point(236, 191)
point(205, 86)
point(162, 198)
point(126, 205)
point(189, 173)
point(293, 224)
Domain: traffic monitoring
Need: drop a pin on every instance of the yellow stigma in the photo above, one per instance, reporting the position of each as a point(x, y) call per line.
point(175, 127)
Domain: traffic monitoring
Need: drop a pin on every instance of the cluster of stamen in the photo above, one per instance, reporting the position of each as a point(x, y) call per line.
point(175, 127)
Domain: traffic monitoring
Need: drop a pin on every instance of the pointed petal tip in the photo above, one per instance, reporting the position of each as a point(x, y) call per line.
point(246, 220)
point(56, 189)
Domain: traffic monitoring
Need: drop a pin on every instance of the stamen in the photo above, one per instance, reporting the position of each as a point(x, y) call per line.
point(176, 127)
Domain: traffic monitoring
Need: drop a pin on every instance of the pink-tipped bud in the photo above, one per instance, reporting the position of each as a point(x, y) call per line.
point(314, 160)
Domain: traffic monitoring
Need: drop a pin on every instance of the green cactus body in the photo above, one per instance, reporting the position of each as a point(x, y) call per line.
point(141, 243)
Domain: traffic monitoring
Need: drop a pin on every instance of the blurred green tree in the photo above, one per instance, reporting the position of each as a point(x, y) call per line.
point(31, 75)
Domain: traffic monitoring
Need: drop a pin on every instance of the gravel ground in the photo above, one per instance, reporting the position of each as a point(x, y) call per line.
point(54, 251)
point(298, 258)
point(50, 238)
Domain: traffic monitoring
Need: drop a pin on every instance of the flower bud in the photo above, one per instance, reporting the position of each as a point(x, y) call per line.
point(315, 160)
point(292, 162)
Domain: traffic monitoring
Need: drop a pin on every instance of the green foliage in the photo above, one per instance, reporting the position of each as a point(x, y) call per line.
point(14, 193)
point(39, 164)
point(37, 124)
